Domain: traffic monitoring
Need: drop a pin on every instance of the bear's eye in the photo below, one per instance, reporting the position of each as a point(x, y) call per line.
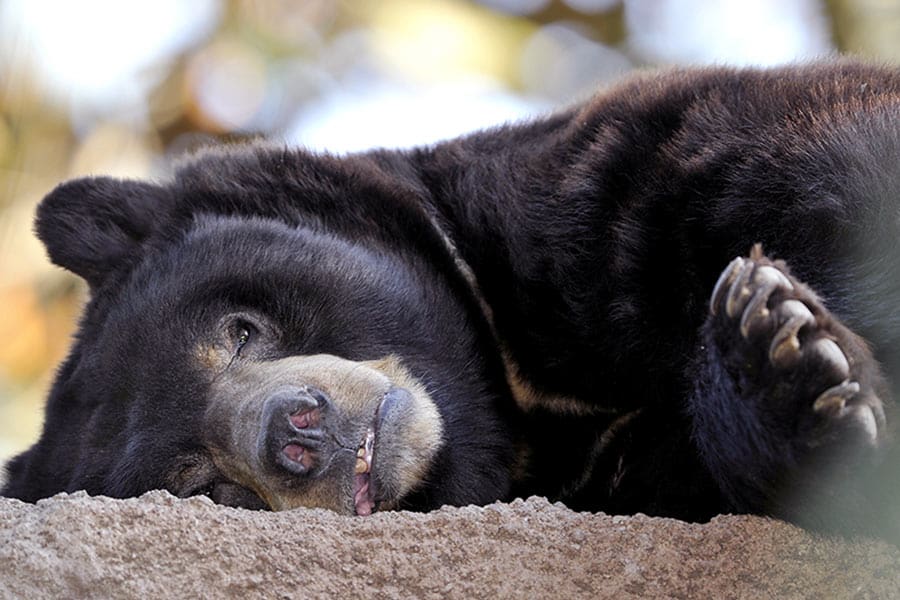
point(243, 333)
point(243, 337)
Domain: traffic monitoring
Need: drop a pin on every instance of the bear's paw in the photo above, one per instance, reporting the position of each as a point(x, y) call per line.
point(786, 349)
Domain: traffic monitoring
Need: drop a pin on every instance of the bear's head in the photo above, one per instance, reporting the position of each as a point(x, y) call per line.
point(274, 330)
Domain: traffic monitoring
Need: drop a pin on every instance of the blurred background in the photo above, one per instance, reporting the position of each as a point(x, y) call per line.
point(120, 87)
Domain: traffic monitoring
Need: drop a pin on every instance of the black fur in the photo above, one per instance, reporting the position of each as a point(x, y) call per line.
point(595, 237)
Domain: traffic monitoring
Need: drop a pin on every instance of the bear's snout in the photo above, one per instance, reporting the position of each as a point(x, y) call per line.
point(309, 430)
point(293, 430)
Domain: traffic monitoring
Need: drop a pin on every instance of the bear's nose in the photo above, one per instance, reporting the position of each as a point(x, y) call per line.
point(292, 436)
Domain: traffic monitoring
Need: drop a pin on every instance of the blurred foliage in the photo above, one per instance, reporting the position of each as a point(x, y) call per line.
point(252, 71)
point(867, 27)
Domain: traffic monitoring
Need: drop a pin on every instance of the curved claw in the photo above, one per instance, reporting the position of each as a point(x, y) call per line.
point(740, 292)
point(769, 279)
point(868, 421)
point(785, 347)
point(766, 274)
point(725, 280)
point(831, 353)
point(832, 401)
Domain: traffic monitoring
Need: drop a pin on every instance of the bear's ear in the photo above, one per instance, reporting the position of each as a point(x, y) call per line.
point(93, 226)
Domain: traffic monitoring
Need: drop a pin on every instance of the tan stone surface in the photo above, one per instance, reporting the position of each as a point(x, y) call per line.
point(158, 546)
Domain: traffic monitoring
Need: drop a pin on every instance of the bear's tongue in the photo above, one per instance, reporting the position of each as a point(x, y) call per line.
point(362, 492)
point(362, 497)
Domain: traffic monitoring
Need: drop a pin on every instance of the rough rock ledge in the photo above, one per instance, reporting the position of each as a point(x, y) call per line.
point(159, 546)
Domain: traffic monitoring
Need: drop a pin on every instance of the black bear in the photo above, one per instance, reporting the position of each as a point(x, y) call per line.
point(677, 298)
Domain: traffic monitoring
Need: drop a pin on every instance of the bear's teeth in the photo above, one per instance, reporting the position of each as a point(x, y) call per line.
point(364, 453)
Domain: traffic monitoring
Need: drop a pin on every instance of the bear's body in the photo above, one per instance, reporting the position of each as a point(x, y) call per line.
point(529, 309)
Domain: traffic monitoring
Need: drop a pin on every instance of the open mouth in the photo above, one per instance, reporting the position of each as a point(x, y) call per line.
point(365, 489)
point(363, 492)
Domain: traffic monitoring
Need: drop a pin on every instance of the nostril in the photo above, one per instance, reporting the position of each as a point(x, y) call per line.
point(298, 454)
point(304, 419)
point(294, 452)
point(305, 406)
point(299, 402)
